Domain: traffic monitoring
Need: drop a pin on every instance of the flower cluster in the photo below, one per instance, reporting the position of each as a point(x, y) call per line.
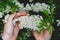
point(37, 7)
point(17, 6)
point(31, 22)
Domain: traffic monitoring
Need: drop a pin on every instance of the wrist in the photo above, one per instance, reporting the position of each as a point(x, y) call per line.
point(40, 39)
point(13, 38)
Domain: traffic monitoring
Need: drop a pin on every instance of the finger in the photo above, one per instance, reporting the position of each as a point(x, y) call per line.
point(15, 32)
point(47, 35)
point(46, 32)
point(41, 34)
point(27, 14)
point(35, 33)
point(20, 14)
point(16, 29)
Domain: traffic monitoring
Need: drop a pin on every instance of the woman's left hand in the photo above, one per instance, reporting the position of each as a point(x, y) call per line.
point(11, 31)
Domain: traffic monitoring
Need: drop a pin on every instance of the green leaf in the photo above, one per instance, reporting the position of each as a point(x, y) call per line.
point(50, 1)
point(45, 12)
point(51, 29)
point(52, 9)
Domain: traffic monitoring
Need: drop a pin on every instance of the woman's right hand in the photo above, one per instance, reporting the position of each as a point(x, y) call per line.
point(42, 36)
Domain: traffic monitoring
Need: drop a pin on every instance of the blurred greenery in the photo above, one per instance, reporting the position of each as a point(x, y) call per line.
point(9, 3)
point(25, 34)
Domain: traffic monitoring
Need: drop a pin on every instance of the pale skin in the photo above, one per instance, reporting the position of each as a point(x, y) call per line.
point(11, 31)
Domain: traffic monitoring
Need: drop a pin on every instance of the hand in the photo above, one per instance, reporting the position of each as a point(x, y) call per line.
point(42, 36)
point(15, 33)
point(16, 29)
point(9, 29)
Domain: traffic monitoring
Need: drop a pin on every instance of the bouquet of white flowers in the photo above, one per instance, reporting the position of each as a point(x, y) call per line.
point(33, 22)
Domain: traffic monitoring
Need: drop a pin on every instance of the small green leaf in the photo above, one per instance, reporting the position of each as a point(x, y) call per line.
point(52, 9)
point(45, 12)
point(50, 1)
point(51, 29)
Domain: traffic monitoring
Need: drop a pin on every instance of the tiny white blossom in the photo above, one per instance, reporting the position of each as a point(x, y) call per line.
point(58, 22)
point(6, 18)
point(19, 4)
point(30, 0)
point(28, 7)
point(35, 9)
point(37, 4)
point(44, 5)
point(40, 8)
point(8, 7)
point(7, 10)
point(41, 17)
point(32, 5)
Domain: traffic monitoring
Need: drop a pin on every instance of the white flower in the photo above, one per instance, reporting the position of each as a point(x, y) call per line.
point(19, 4)
point(35, 9)
point(58, 22)
point(44, 5)
point(1, 14)
point(41, 17)
point(32, 5)
point(30, 0)
point(37, 4)
point(8, 9)
point(28, 7)
point(6, 18)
